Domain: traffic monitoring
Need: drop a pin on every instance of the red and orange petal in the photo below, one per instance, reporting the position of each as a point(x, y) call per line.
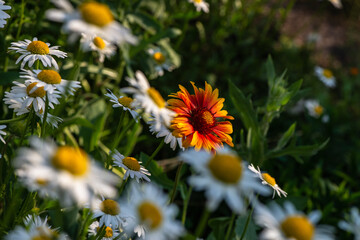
point(199, 118)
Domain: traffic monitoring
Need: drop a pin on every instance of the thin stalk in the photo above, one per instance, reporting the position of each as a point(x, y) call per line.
point(123, 185)
point(186, 204)
point(247, 224)
point(177, 178)
point(23, 3)
point(202, 223)
point(42, 134)
point(12, 120)
point(228, 232)
point(154, 153)
point(28, 120)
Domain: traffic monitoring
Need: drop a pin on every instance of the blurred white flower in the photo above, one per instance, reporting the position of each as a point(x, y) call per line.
point(326, 76)
point(316, 110)
point(3, 15)
point(2, 133)
point(97, 44)
point(110, 233)
point(352, 224)
point(336, 3)
point(200, 5)
point(162, 61)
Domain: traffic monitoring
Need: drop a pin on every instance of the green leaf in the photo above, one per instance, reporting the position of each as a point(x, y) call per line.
point(270, 71)
point(145, 21)
point(219, 226)
point(250, 233)
point(286, 137)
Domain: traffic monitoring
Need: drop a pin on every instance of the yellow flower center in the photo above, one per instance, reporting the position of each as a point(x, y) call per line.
point(39, 92)
point(96, 13)
point(226, 168)
point(156, 97)
point(198, 1)
point(327, 73)
point(151, 214)
point(99, 42)
point(159, 58)
point(41, 237)
point(131, 163)
point(125, 101)
point(269, 179)
point(108, 232)
point(208, 117)
point(70, 159)
point(38, 47)
point(297, 227)
point(110, 207)
point(49, 76)
point(318, 110)
point(41, 181)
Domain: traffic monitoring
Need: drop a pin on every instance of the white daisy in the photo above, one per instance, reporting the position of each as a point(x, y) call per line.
point(200, 5)
point(161, 60)
point(110, 233)
point(50, 119)
point(336, 3)
point(316, 110)
point(36, 50)
point(165, 131)
point(109, 212)
point(2, 133)
point(91, 18)
point(352, 224)
point(50, 80)
point(288, 224)
point(267, 180)
point(3, 15)
point(29, 95)
point(223, 176)
point(97, 44)
point(133, 167)
point(71, 174)
point(125, 102)
point(153, 218)
point(149, 99)
point(326, 76)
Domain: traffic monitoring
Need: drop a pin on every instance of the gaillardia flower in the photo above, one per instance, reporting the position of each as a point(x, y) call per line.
point(199, 118)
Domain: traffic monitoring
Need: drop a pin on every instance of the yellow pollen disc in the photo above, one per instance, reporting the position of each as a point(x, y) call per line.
point(110, 207)
point(156, 97)
point(159, 58)
point(96, 13)
point(99, 42)
point(269, 179)
point(108, 232)
point(39, 92)
point(70, 159)
point(208, 117)
point(327, 73)
point(125, 101)
point(131, 163)
point(41, 237)
point(41, 182)
point(226, 168)
point(38, 47)
point(298, 227)
point(49, 76)
point(319, 110)
point(198, 1)
point(151, 214)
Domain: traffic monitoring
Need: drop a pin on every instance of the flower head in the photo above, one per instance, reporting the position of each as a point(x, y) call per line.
point(267, 180)
point(97, 44)
point(125, 102)
point(326, 76)
point(161, 61)
point(223, 176)
point(200, 5)
point(109, 212)
point(110, 232)
point(199, 118)
point(36, 50)
point(132, 166)
point(288, 223)
point(353, 223)
point(316, 110)
point(3, 15)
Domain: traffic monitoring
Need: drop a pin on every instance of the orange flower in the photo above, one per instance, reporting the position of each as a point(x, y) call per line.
point(199, 118)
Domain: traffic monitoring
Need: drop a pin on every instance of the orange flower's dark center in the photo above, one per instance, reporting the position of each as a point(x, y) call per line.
point(203, 120)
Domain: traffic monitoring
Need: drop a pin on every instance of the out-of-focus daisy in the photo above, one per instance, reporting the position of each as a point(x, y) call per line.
point(36, 50)
point(200, 5)
point(268, 180)
point(109, 212)
point(352, 224)
point(326, 76)
point(148, 98)
point(133, 167)
point(29, 95)
point(161, 60)
point(165, 131)
point(125, 102)
point(223, 176)
point(199, 119)
point(316, 110)
point(91, 18)
point(151, 211)
point(2, 133)
point(50, 80)
point(336, 3)
point(37, 229)
point(50, 119)
point(3, 15)
point(97, 44)
point(288, 223)
point(110, 233)
point(70, 172)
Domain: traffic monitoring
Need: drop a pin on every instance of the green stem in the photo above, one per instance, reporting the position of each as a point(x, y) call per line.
point(37, 64)
point(246, 224)
point(117, 140)
point(186, 204)
point(28, 120)
point(202, 224)
point(23, 3)
point(177, 178)
point(154, 153)
point(12, 120)
point(42, 134)
point(228, 232)
point(123, 186)
point(6, 63)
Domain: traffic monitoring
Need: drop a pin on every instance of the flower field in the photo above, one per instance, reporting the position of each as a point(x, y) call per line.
point(169, 119)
